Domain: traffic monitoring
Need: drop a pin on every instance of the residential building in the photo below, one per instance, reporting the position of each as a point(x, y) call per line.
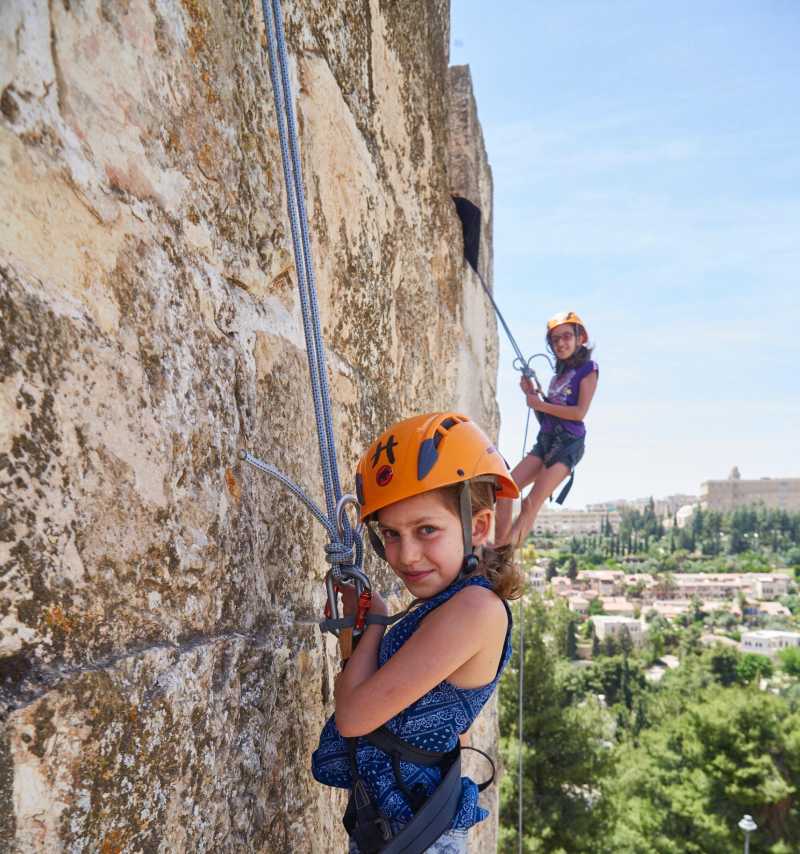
point(537, 578)
point(619, 606)
point(683, 515)
point(770, 586)
point(579, 604)
point(773, 609)
point(708, 586)
point(605, 582)
point(776, 493)
point(608, 626)
point(768, 641)
point(575, 521)
point(663, 507)
point(669, 609)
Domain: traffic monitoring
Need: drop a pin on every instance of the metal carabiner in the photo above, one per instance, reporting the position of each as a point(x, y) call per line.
point(332, 607)
point(341, 508)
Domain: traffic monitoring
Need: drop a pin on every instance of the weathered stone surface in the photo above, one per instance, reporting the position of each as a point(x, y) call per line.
point(161, 686)
point(470, 173)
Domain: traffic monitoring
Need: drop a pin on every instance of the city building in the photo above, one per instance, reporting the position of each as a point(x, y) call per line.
point(768, 641)
point(607, 626)
point(708, 586)
point(663, 507)
point(773, 609)
point(683, 515)
point(579, 604)
point(619, 606)
point(669, 609)
point(775, 493)
point(605, 582)
point(769, 586)
point(538, 579)
point(575, 521)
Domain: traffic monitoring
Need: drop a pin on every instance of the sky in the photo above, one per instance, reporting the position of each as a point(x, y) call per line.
point(646, 164)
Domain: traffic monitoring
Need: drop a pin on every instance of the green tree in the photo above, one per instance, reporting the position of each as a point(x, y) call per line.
point(572, 568)
point(565, 766)
point(692, 776)
point(724, 662)
point(789, 660)
point(752, 666)
point(595, 608)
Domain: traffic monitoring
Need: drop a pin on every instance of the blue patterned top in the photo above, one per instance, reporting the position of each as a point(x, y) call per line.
point(433, 722)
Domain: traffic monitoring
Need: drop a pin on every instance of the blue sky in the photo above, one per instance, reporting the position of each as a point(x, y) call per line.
point(646, 161)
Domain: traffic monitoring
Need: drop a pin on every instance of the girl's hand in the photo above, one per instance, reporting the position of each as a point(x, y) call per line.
point(526, 384)
point(378, 606)
point(350, 601)
point(533, 400)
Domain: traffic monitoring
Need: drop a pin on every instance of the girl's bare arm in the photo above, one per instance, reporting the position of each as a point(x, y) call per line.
point(465, 634)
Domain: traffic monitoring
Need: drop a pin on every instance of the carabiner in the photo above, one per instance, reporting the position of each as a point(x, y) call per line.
point(341, 508)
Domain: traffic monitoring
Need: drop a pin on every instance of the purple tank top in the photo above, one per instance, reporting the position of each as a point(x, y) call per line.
point(563, 391)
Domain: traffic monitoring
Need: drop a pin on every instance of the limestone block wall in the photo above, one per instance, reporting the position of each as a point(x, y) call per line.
point(162, 682)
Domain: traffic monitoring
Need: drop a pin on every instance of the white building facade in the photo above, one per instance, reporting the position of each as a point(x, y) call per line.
point(768, 641)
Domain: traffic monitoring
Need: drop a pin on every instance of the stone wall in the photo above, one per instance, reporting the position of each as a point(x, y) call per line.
point(162, 683)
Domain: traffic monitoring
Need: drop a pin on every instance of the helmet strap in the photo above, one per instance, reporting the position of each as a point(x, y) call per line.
point(471, 560)
point(376, 541)
point(465, 509)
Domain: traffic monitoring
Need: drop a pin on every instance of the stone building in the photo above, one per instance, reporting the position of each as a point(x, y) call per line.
point(575, 521)
point(768, 641)
point(615, 626)
point(775, 493)
point(162, 680)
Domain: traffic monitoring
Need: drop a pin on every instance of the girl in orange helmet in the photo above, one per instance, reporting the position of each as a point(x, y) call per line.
point(562, 434)
point(427, 489)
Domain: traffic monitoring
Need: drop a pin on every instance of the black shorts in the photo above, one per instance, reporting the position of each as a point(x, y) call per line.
point(559, 446)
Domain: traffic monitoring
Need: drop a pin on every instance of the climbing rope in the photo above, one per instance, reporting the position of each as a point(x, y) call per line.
point(520, 363)
point(345, 550)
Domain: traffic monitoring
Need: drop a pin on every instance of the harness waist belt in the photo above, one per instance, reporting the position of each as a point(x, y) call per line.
point(432, 817)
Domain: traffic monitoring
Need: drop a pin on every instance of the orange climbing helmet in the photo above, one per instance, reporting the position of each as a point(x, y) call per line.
point(424, 453)
point(565, 317)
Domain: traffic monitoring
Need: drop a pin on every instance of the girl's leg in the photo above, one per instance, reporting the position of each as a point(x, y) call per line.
point(525, 472)
point(543, 488)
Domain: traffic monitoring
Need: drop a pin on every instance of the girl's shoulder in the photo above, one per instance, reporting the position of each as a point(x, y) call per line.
point(476, 602)
point(588, 367)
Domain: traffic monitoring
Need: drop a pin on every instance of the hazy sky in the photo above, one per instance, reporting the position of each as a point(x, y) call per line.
point(646, 161)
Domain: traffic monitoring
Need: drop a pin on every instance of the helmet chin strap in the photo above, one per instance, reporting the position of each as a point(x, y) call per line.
point(470, 563)
point(471, 560)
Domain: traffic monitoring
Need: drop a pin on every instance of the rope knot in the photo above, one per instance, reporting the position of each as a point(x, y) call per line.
point(339, 554)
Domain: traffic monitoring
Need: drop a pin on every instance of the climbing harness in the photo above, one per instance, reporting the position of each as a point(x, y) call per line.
point(433, 815)
point(344, 552)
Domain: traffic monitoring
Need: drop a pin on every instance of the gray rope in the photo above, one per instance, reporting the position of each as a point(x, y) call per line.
point(345, 547)
point(297, 491)
point(293, 181)
point(522, 360)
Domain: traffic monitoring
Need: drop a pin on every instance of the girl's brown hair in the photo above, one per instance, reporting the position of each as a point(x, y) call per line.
point(495, 562)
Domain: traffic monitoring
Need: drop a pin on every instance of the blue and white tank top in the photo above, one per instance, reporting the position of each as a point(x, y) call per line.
point(433, 722)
